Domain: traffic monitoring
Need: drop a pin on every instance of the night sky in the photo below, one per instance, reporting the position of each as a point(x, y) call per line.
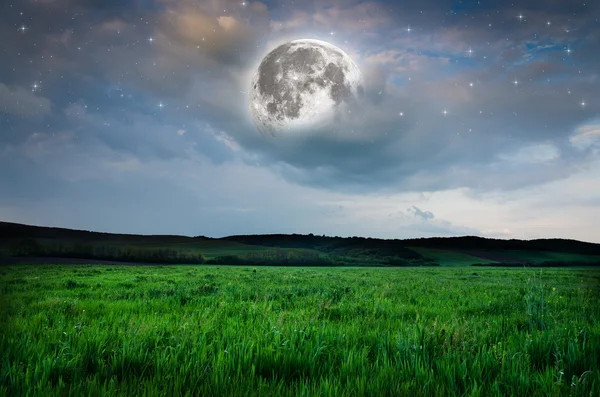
point(480, 118)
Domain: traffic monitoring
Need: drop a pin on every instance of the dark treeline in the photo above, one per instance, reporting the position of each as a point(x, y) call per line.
point(351, 246)
point(32, 248)
point(398, 247)
point(480, 243)
point(291, 257)
point(18, 240)
point(274, 257)
point(334, 245)
point(12, 231)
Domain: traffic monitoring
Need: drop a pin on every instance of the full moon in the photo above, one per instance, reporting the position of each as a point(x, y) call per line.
point(302, 86)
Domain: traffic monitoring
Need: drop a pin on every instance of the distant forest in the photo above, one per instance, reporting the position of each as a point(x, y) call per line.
point(24, 241)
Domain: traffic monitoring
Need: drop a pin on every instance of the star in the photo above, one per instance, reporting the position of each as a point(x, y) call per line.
point(582, 104)
point(568, 50)
point(34, 87)
point(401, 114)
point(408, 29)
point(520, 17)
point(150, 40)
point(23, 28)
point(470, 51)
point(161, 105)
point(548, 23)
point(470, 84)
point(445, 112)
point(516, 82)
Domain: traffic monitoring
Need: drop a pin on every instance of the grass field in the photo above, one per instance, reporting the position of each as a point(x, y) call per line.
point(227, 331)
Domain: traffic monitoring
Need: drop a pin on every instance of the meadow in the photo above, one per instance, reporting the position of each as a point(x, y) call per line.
point(240, 331)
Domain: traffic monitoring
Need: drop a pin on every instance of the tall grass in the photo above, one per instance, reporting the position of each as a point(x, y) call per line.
point(535, 302)
point(195, 330)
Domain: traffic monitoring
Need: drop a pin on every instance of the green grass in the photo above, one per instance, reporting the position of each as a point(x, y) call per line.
point(229, 331)
point(449, 258)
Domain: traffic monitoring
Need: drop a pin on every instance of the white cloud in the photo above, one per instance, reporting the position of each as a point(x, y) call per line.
point(532, 154)
point(586, 136)
point(227, 140)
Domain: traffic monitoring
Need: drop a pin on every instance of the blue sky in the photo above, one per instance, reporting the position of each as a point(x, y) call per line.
point(480, 119)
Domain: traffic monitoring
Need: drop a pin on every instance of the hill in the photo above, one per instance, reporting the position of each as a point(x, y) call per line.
point(26, 241)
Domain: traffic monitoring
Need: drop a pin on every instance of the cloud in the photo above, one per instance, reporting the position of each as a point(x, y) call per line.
point(97, 115)
point(226, 37)
point(537, 153)
point(139, 135)
point(424, 215)
point(336, 17)
point(416, 150)
point(360, 16)
point(23, 102)
point(203, 53)
point(586, 136)
point(298, 19)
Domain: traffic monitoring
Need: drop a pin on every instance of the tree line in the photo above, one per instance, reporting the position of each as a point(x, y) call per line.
point(293, 257)
point(32, 248)
point(270, 257)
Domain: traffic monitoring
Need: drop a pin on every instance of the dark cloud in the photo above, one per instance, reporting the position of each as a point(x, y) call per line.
point(424, 215)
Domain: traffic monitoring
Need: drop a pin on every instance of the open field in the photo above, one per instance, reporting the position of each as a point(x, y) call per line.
point(209, 330)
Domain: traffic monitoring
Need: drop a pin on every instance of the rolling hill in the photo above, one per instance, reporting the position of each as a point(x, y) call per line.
point(26, 241)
